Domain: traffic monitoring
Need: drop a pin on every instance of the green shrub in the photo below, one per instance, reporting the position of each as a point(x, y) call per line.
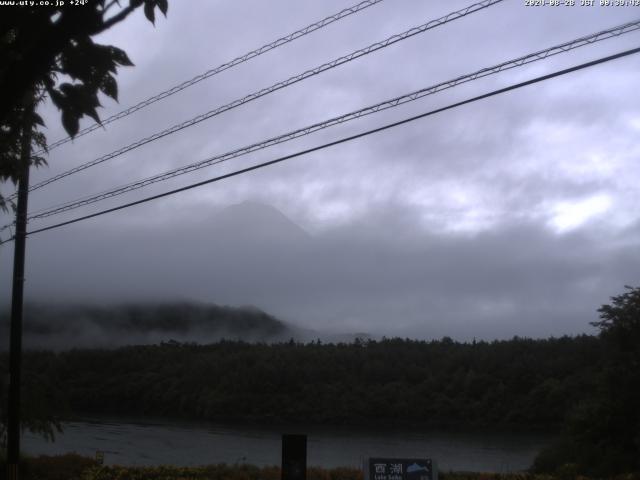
point(75, 467)
point(212, 472)
point(60, 467)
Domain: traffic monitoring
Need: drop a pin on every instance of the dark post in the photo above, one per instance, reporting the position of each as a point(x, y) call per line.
point(15, 345)
point(294, 457)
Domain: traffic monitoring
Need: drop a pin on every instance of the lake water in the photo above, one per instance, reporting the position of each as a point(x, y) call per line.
point(156, 442)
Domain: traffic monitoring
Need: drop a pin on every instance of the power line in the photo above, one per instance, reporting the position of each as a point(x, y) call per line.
point(387, 104)
point(277, 86)
point(221, 68)
point(343, 140)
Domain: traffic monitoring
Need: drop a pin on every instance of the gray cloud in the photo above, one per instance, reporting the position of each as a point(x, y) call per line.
point(383, 274)
point(515, 215)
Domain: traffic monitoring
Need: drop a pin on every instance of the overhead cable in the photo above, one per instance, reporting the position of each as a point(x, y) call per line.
point(342, 140)
point(387, 104)
point(277, 86)
point(221, 68)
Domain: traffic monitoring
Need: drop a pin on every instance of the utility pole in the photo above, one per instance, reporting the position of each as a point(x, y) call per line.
point(15, 342)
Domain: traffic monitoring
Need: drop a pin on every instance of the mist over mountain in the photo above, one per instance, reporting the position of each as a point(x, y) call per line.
point(252, 251)
point(387, 275)
point(67, 326)
point(61, 327)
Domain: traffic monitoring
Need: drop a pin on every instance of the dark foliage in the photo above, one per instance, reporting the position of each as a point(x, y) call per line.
point(63, 467)
point(48, 51)
point(43, 402)
point(75, 467)
point(503, 383)
point(603, 431)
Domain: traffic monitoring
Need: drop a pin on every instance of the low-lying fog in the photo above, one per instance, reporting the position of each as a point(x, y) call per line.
point(382, 278)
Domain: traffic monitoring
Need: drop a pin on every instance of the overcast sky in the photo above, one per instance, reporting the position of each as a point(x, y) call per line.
point(516, 215)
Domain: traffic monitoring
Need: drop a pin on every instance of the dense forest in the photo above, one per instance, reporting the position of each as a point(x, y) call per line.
point(520, 382)
point(585, 387)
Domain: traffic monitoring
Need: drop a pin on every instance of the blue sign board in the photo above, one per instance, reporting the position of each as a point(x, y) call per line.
point(401, 469)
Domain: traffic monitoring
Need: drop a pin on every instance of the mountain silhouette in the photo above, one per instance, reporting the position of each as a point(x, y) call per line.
point(254, 222)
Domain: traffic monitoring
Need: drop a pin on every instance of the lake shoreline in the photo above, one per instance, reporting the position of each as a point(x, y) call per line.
point(150, 441)
point(364, 425)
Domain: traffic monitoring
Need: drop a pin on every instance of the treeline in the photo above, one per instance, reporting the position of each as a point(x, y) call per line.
point(179, 317)
point(60, 327)
point(520, 382)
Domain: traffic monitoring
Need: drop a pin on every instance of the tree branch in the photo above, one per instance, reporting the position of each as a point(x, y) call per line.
point(117, 18)
point(111, 4)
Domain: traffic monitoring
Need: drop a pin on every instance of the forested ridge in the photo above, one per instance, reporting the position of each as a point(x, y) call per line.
point(59, 327)
point(519, 382)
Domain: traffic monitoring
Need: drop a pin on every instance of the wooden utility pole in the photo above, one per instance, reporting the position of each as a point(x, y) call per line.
point(15, 345)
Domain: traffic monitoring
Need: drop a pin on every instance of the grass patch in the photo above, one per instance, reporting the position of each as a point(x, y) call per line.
point(76, 467)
